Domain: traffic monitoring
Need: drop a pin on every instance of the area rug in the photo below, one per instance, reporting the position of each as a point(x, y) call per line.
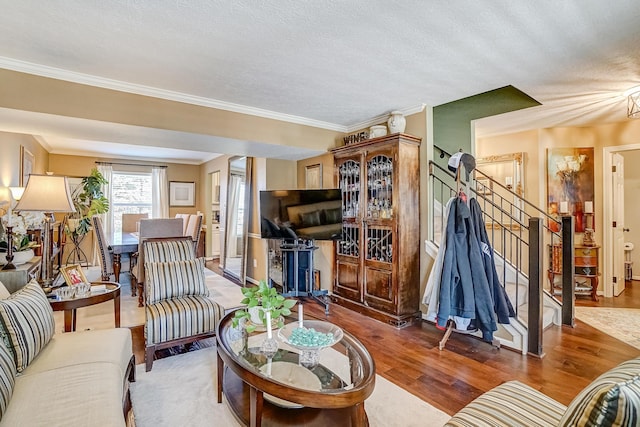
point(181, 391)
point(620, 323)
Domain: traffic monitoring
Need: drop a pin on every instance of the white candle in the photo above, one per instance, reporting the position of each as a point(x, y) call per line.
point(508, 180)
point(269, 331)
point(10, 215)
point(588, 207)
point(268, 367)
point(300, 315)
point(564, 207)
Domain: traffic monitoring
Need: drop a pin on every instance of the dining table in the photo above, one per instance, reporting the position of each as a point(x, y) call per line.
point(122, 242)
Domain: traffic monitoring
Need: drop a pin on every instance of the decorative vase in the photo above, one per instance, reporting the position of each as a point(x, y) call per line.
point(19, 258)
point(396, 122)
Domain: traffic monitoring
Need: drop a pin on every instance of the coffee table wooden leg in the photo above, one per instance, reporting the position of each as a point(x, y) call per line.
point(116, 310)
point(359, 416)
point(256, 400)
point(220, 376)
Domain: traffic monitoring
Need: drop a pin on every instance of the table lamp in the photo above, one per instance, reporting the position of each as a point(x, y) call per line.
point(47, 194)
point(15, 193)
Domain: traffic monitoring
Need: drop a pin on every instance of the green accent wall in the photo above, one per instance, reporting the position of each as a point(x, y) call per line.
point(452, 121)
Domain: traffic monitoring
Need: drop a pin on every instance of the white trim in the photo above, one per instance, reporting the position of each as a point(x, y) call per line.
point(86, 79)
point(607, 199)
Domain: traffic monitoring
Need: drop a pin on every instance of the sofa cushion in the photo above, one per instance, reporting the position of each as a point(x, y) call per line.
point(181, 317)
point(28, 322)
point(4, 293)
point(612, 399)
point(72, 396)
point(85, 347)
point(512, 404)
point(7, 377)
point(165, 280)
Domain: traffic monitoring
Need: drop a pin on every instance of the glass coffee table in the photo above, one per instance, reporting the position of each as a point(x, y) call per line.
point(274, 389)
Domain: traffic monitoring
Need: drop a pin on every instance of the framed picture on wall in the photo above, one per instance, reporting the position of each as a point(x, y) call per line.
point(182, 193)
point(313, 176)
point(27, 163)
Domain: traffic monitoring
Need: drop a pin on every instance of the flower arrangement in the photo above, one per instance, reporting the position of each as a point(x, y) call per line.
point(21, 222)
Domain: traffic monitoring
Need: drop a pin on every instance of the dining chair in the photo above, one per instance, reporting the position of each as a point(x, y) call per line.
point(194, 226)
point(130, 221)
point(178, 309)
point(106, 257)
point(149, 228)
point(185, 222)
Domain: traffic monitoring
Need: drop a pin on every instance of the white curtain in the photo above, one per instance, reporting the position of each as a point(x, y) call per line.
point(160, 193)
point(107, 218)
point(232, 219)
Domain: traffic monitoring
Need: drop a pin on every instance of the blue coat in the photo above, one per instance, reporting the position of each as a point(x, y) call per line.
point(464, 289)
point(501, 303)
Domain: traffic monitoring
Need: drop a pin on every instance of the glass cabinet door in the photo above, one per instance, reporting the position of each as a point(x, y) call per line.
point(380, 187)
point(349, 175)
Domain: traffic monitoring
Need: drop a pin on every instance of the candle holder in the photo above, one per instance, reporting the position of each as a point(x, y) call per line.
point(9, 265)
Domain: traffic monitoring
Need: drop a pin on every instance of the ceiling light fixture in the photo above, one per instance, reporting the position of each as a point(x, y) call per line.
point(633, 103)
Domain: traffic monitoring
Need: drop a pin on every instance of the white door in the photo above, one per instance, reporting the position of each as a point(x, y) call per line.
point(618, 223)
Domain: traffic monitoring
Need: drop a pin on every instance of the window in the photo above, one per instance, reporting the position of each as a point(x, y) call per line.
point(130, 193)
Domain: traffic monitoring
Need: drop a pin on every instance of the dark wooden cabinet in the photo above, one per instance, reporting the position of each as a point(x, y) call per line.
point(378, 259)
point(586, 270)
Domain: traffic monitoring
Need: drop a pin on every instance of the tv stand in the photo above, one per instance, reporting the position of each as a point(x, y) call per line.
point(298, 278)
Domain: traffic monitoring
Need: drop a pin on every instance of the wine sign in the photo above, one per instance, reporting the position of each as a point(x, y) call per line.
point(356, 137)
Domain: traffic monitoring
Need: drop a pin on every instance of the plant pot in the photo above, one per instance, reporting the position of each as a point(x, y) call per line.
point(19, 258)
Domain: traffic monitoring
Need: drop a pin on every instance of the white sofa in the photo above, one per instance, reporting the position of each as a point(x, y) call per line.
point(73, 379)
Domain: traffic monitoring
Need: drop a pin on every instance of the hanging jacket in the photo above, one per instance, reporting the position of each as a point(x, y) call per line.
point(456, 288)
point(501, 304)
point(464, 289)
point(432, 289)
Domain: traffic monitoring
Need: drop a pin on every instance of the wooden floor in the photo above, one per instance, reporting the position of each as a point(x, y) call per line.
point(467, 367)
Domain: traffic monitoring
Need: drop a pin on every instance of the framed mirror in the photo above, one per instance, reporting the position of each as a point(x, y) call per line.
point(506, 169)
point(237, 217)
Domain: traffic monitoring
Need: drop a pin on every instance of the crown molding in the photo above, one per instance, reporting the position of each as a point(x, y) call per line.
point(382, 118)
point(86, 79)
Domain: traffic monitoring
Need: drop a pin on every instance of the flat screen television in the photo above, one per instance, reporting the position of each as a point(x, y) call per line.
point(301, 214)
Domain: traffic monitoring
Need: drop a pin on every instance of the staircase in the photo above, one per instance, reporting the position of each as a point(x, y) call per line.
point(508, 219)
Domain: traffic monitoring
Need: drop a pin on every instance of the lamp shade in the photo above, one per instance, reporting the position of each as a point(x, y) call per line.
point(46, 193)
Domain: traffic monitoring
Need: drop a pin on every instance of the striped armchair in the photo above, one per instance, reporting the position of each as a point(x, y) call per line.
point(612, 399)
point(178, 309)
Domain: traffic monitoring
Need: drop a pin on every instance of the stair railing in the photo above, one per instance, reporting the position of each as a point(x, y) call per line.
point(513, 225)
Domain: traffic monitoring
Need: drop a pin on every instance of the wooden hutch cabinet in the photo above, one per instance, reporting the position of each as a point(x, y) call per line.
point(378, 258)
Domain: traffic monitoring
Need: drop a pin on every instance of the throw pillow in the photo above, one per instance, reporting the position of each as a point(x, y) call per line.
point(333, 216)
point(27, 318)
point(310, 219)
point(612, 399)
point(7, 377)
point(165, 280)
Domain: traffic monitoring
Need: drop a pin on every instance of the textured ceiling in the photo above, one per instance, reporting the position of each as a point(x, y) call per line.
point(338, 64)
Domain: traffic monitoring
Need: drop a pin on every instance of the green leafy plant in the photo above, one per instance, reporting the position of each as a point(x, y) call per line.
point(89, 200)
point(268, 299)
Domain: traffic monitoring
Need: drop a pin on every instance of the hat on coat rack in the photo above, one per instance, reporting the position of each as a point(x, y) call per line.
point(467, 160)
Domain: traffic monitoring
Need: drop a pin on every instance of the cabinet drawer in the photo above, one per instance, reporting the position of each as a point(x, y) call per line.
point(586, 261)
point(586, 271)
point(585, 252)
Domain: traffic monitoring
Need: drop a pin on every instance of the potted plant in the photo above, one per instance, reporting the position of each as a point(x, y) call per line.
point(89, 200)
point(259, 299)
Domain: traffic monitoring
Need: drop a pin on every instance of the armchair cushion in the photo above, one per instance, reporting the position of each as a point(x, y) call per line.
point(176, 318)
point(612, 399)
point(511, 404)
point(172, 279)
point(28, 322)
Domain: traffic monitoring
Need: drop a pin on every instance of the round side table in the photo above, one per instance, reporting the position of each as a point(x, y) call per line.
point(69, 306)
